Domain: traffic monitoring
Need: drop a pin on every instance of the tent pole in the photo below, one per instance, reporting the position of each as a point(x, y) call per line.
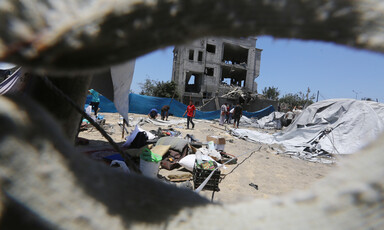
point(317, 98)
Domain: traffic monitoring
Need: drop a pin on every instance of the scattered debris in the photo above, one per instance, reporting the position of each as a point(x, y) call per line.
point(218, 141)
point(326, 128)
point(200, 174)
point(179, 178)
point(190, 138)
point(254, 186)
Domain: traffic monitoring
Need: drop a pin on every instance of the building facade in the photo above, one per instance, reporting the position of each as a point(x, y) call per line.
point(208, 67)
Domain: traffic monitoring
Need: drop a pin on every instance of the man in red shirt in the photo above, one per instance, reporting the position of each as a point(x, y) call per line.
point(191, 111)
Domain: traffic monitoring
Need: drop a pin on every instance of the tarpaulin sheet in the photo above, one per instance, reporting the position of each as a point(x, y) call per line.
point(8, 83)
point(261, 113)
point(105, 106)
point(337, 126)
point(142, 104)
point(122, 76)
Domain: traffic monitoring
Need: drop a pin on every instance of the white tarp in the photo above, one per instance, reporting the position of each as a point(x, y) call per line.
point(159, 122)
point(132, 137)
point(337, 126)
point(245, 121)
point(272, 121)
point(114, 83)
point(122, 78)
point(7, 84)
point(5, 66)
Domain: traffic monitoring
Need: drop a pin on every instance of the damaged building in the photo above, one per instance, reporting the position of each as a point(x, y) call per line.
point(212, 67)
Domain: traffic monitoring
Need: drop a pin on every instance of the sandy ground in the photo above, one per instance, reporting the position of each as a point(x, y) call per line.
point(274, 174)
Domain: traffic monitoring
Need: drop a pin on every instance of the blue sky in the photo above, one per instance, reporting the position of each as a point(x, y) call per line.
point(293, 66)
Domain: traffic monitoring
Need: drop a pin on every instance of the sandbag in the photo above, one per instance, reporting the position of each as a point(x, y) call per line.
point(161, 150)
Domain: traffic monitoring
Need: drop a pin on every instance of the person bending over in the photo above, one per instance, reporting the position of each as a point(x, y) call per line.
point(164, 112)
point(153, 113)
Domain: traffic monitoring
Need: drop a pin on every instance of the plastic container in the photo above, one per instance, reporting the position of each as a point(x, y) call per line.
point(149, 169)
point(211, 145)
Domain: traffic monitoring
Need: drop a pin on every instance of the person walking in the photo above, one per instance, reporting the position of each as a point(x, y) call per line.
point(237, 114)
point(191, 112)
point(223, 113)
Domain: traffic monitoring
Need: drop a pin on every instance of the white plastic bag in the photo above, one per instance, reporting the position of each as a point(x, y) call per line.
point(88, 110)
point(188, 162)
point(210, 152)
point(211, 145)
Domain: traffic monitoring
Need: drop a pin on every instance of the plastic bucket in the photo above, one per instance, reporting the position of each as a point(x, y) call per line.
point(149, 169)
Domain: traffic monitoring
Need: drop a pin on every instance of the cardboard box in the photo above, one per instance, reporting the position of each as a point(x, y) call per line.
point(218, 141)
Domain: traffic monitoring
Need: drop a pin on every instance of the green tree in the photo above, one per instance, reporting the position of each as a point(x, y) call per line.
point(148, 87)
point(166, 89)
point(159, 88)
point(298, 99)
point(271, 93)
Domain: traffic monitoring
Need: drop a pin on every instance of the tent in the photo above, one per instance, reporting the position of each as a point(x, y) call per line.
point(272, 121)
point(336, 126)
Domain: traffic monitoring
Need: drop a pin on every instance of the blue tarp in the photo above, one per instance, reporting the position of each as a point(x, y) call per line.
point(106, 106)
point(142, 104)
